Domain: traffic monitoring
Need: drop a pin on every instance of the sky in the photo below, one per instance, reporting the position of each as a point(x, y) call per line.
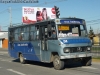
point(85, 9)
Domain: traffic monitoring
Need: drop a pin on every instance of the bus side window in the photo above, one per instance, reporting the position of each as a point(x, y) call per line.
point(49, 30)
point(37, 32)
point(16, 34)
point(32, 31)
point(11, 37)
point(46, 32)
point(25, 34)
point(20, 38)
point(21, 34)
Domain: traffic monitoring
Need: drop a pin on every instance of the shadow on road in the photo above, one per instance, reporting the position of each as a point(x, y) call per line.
point(69, 64)
point(16, 60)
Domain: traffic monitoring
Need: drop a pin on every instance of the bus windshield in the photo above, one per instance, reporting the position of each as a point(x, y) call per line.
point(71, 30)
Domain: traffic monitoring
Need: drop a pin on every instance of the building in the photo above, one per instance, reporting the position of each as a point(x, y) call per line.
point(96, 40)
point(3, 39)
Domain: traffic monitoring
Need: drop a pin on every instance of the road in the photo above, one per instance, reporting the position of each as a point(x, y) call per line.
point(10, 66)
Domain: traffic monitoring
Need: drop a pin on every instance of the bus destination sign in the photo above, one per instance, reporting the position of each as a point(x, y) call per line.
point(71, 21)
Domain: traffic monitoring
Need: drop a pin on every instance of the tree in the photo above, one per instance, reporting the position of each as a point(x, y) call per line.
point(91, 34)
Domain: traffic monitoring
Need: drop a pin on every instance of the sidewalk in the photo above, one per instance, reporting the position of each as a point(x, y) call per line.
point(3, 48)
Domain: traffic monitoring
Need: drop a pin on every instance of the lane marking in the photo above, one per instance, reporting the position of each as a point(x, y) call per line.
point(16, 72)
point(89, 67)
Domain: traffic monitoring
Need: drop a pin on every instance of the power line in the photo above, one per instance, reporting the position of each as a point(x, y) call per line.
point(96, 22)
point(93, 20)
point(49, 2)
point(44, 3)
point(93, 24)
point(3, 11)
point(3, 21)
point(93, 16)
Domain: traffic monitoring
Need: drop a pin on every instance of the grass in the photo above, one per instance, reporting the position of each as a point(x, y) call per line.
point(95, 48)
point(96, 59)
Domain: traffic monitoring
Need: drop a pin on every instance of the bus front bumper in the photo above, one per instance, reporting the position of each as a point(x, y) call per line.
point(75, 56)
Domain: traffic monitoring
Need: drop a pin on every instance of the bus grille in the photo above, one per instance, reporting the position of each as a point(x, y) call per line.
point(78, 49)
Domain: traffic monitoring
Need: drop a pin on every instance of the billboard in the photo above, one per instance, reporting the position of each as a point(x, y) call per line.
point(36, 14)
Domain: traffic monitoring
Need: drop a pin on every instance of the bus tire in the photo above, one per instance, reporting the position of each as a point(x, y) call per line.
point(86, 61)
point(58, 64)
point(22, 61)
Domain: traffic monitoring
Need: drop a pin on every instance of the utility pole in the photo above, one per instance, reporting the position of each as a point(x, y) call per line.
point(10, 19)
point(0, 28)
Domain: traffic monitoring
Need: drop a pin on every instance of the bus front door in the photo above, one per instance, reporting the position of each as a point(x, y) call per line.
point(43, 47)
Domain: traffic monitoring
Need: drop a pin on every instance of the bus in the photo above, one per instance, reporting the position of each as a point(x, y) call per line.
point(51, 41)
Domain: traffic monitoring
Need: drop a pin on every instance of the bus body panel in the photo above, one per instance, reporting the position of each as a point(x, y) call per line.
point(56, 46)
point(32, 51)
point(29, 51)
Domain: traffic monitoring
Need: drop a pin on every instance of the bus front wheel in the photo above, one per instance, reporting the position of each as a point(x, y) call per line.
point(22, 59)
point(58, 64)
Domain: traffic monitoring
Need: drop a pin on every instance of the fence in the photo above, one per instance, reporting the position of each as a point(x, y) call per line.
point(96, 51)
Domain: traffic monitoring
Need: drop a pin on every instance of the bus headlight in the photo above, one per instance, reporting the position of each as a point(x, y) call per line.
point(88, 48)
point(66, 50)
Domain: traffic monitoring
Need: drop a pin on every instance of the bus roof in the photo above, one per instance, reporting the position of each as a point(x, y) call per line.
point(72, 18)
point(21, 25)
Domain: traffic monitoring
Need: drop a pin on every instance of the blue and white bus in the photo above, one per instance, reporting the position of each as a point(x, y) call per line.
point(55, 40)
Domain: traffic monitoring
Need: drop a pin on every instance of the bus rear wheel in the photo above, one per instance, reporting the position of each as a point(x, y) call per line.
point(21, 59)
point(58, 64)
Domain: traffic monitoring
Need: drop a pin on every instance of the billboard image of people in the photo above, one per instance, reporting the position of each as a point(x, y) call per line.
point(39, 16)
point(36, 14)
point(44, 14)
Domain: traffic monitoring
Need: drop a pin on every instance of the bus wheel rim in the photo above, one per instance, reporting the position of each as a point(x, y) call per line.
point(57, 62)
